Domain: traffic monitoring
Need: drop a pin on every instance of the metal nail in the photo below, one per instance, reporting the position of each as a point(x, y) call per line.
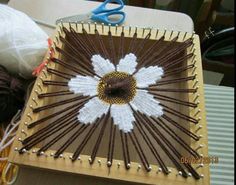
point(23, 131)
point(139, 167)
point(179, 173)
point(200, 166)
point(200, 146)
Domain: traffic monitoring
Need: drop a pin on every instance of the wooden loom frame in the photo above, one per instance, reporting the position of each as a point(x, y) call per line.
point(118, 172)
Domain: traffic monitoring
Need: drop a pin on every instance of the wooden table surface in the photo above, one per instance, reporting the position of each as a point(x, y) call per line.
point(49, 11)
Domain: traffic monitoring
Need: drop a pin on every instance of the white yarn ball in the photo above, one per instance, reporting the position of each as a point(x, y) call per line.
point(22, 43)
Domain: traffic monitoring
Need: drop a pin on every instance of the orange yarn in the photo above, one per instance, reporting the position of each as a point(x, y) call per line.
point(38, 69)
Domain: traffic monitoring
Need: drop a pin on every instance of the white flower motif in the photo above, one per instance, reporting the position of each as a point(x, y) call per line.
point(122, 114)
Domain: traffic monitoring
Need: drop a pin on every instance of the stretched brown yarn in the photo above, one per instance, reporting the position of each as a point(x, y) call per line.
point(75, 58)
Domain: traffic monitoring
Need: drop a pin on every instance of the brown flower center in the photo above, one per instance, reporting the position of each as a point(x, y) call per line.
point(117, 88)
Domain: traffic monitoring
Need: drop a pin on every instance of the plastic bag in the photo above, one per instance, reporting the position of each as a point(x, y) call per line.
point(22, 43)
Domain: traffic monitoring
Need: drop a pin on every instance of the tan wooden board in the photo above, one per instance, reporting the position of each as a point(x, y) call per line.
point(115, 172)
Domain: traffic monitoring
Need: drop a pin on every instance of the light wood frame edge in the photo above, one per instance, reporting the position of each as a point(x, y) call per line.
point(115, 172)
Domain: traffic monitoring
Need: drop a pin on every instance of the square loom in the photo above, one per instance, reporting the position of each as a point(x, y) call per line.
point(153, 152)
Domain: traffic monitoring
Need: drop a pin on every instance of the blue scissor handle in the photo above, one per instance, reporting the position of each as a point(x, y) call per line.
point(102, 8)
point(105, 17)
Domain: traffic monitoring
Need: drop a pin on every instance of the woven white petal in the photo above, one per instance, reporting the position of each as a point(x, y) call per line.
point(127, 64)
point(92, 110)
point(148, 76)
point(102, 66)
point(123, 117)
point(86, 85)
point(145, 103)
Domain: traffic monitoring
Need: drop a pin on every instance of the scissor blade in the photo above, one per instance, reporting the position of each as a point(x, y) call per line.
point(75, 18)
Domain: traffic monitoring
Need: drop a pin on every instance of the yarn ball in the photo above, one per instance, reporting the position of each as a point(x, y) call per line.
point(23, 43)
point(12, 93)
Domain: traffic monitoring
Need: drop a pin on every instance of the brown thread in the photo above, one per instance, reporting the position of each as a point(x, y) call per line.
point(60, 74)
point(139, 150)
point(35, 141)
point(141, 45)
point(51, 126)
point(160, 142)
point(125, 150)
point(102, 46)
point(111, 144)
point(143, 59)
point(133, 42)
point(177, 70)
point(171, 53)
point(59, 103)
point(112, 48)
point(55, 83)
point(184, 130)
point(170, 90)
point(70, 140)
point(150, 145)
point(176, 80)
point(99, 139)
point(178, 114)
point(90, 41)
point(70, 67)
point(57, 93)
point(86, 66)
point(78, 40)
point(121, 45)
point(87, 137)
point(172, 148)
point(57, 113)
point(58, 137)
point(172, 64)
point(176, 137)
point(74, 50)
point(172, 100)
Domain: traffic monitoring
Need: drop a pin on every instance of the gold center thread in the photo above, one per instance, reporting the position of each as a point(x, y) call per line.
point(117, 88)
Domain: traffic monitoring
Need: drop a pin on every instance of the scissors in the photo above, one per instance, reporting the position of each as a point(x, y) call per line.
point(100, 14)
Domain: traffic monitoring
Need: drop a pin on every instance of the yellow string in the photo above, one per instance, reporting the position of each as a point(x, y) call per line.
point(3, 154)
point(8, 171)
